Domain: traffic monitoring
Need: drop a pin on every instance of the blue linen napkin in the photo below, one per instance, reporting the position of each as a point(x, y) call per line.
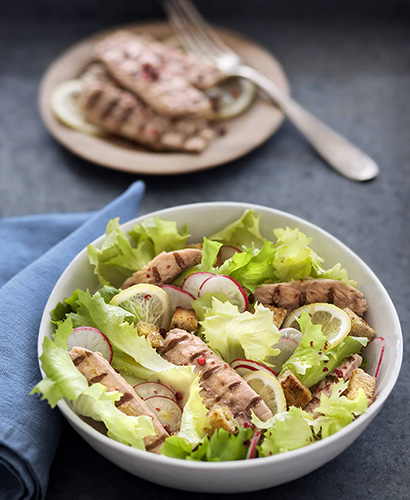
point(29, 429)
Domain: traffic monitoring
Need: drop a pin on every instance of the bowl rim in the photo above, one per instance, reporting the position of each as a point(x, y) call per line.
point(75, 420)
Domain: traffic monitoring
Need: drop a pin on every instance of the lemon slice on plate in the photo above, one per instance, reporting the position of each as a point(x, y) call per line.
point(149, 303)
point(64, 103)
point(269, 389)
point(336, 324)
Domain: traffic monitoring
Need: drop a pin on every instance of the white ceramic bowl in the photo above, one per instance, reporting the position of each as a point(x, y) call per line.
point(247, 475)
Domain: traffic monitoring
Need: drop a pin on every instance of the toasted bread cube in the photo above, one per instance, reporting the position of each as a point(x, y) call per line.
point(296, 393)
point(359, 326)
point(359, 379)
point(152, 333)
point(279, 314)
point(184, 319)
point(221, 417)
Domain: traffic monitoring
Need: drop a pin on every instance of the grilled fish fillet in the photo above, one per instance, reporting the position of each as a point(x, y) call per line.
point(164, 77)
point(122, 113)
point(221, 385)
point(96, 369)
point(294, 294)
point(165, 267)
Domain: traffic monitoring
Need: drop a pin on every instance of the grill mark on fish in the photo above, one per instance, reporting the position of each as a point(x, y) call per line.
point(234, 386)
point(109, 108)
point(77, 361)
point(125, 116)
point(92, 101)
point(197, 354)
point(254, 401)
point(123, 399)
point(154, 444)
point(302, 298)
point(331, 295)
point(210, 372)
point(174, 343)
point(156, 274)
point(98, 378)
point(276, 296)
point(179, 260)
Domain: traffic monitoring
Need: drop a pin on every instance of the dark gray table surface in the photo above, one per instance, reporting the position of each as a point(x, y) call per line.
point(351, 67)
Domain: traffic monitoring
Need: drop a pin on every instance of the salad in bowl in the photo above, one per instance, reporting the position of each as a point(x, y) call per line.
point(213, 337)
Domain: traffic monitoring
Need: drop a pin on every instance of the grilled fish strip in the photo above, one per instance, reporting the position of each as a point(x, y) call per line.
point(96, 369)
point(221, 385)
point(344, 370)
point(294, 294)
point(120, 112)
point(164, 77)
point(165, 267)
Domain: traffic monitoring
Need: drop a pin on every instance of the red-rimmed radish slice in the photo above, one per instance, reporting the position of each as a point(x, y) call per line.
point(227, 251)
point(229, 287)
point(291, 333)
point(178, 297)
point(373, 353)
point(287, 347)
point(244, 366)
point(91, 339)
point(253, 444)
point(193, 282)
point(167, 410)
point(147, 390)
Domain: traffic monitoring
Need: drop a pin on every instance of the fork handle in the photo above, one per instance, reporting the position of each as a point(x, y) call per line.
point(335, 149)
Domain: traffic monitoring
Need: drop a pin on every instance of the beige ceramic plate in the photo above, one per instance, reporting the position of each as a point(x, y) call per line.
point(243, 133)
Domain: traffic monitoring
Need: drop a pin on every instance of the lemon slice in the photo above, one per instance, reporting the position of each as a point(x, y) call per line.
point(149, 303)
point(269, 389)
point(64, 103)
point(335, 323)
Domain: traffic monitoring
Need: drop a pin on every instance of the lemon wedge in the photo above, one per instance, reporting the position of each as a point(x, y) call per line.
point(336, 324)
point(269, 389)
point(64, 104)
point(149, 303)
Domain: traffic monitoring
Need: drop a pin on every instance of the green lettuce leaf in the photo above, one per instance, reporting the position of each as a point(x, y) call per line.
point(336, 411)
point(286, 431)
point(244, 232)
point(312, 361)
point(62, 377)
point(97, 403)
point(236, 335)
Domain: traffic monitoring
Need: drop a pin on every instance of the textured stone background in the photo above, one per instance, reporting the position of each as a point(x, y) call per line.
point(349, 63)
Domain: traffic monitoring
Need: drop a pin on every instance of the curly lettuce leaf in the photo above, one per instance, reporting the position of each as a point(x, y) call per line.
point(336, 411)
point(286, 431)
point(97, 403)
point(244, 232)
point(236, 335)
point(62, 378)
point(312, 360)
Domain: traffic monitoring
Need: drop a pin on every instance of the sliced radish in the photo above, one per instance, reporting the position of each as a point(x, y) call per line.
point(374, 355)
point(91, 339)
point(227, 251)
point(146, 390)
point(167, 410)
point(194, 281)
point(291, 333)
point(244, 366)
point(254, 443)
point(178, 297)
point(229, 287)
point(287, 347)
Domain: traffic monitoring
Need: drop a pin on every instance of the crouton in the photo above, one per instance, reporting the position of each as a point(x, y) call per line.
point(279, 314)
point(221, 417)
point(359, 379)
point(296, 393)
point(184, 319)
point(359, 326)
point(152, 333)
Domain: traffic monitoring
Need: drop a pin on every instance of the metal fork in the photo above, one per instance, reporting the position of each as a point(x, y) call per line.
point(198, 37)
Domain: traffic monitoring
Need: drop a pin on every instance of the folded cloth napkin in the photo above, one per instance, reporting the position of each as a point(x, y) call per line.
point(29, 429)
